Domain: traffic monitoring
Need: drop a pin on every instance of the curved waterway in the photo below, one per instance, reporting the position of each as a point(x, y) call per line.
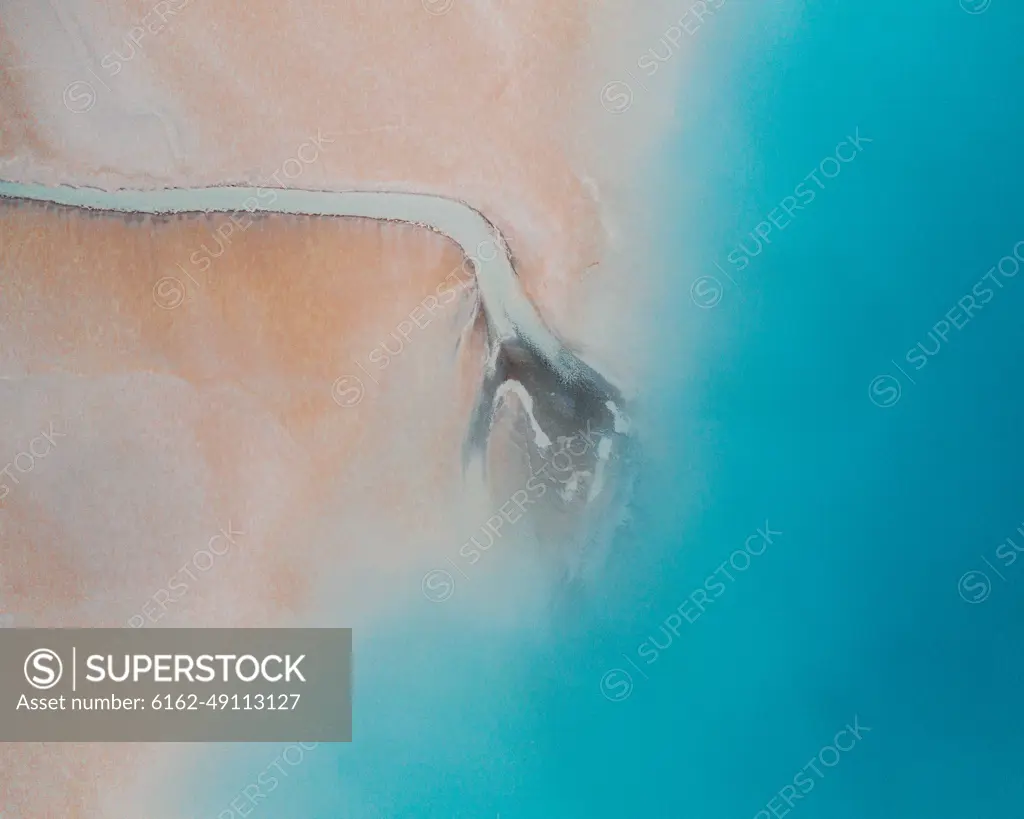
point(561, 395)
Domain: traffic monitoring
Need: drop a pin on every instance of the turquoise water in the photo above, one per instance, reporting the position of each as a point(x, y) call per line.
point(854, 610)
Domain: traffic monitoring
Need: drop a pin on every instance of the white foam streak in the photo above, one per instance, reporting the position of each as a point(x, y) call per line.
point(509, 312)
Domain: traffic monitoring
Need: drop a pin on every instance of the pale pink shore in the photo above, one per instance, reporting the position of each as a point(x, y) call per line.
point(235, 408)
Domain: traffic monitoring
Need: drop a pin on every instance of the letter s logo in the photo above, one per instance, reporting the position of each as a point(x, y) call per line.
point(616, 97)
point(884, 391)
point(39, 669)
